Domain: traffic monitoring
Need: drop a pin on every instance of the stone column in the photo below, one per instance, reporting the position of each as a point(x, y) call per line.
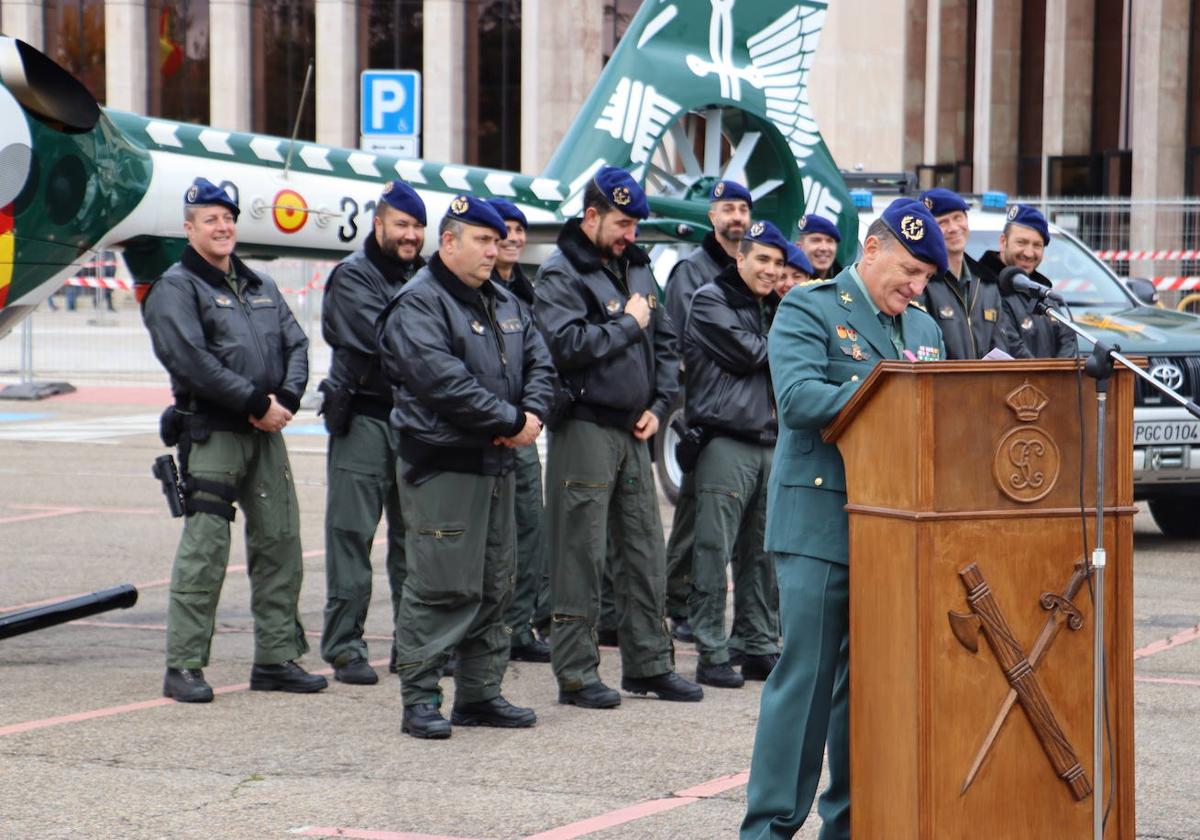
point(860, 51)
point(997, 94)
point(1158, 118)
point(443, 121)
point(1067, 90)
point(231, 67)
point(337, 73)
point(561, 58)
point(24, 19)
point(125, 36)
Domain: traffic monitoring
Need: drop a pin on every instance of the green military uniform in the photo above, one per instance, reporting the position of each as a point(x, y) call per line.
point(361, 461)
point(823, 344)
point(530, 606)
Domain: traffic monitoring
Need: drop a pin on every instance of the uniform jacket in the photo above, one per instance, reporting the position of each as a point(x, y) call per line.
point(812, 348)
point(725, 351)
point(358, 290)
point(1026, 334)
point(519, 285)
point(465, 365)
point(226, 351)
point(970, 319)
point(614, 369)
point(690, 273)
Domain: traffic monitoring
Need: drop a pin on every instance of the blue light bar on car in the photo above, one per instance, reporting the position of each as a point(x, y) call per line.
point(995, 200)
point(862, 199)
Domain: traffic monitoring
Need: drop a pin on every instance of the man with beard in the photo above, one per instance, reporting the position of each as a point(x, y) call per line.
point(729, 209)
point(530, 605)
point(471, 381)
point(1026, 334)
point(614, 345)
point(239, 364)
point(361, 461)
point(725, 349)
point(965, 301)
point(819, 239)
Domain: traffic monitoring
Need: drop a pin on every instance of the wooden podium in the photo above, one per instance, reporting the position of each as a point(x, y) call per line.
point(965, 477)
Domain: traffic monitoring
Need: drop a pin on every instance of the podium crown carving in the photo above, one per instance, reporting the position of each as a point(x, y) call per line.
point(1027, 402)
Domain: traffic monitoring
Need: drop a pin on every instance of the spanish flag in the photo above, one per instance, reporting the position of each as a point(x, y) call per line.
point(170, 53)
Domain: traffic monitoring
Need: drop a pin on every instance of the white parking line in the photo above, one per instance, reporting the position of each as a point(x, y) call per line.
point(96, 430)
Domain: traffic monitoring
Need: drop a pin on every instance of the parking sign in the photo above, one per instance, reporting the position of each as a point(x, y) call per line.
point(390, 103)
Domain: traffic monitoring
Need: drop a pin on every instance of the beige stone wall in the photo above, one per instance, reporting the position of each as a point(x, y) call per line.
point(1067, 98)
point(337, 73)
point(443, 120)
point(997, 94)
point(561, 58)
point(23, 19)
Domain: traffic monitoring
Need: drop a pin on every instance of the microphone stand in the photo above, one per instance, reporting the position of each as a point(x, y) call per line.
point(1100, 367)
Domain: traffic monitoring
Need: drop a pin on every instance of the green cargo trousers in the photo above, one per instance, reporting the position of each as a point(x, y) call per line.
point(680, 548)
point(530, 605)
point(460, 545)
point(731, 520)
point(256, 464)
point(601, 489)
point(361, 487)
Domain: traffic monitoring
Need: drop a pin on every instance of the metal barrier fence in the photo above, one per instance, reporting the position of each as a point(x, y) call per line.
point(91, 330)
point(1158, 240)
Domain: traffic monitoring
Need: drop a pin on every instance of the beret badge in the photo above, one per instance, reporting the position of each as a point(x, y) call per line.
point(912, 228)
point(757, 229)
point(621, 196)
point(460, 205)
point(719, 189)
point(1012, 212)
point(387, 188)
point(929, 202)
point(803, 222)
point(192, 192)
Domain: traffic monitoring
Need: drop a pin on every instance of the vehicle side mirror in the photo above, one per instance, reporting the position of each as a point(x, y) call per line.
point(1143, 290)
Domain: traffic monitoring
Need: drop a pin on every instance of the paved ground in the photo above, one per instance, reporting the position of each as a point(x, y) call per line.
point(88, 748)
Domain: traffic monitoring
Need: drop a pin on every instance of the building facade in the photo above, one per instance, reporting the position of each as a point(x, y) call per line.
point(1032, 97)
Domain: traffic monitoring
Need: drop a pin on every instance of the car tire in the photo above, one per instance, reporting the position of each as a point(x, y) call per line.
point(1177, 518)
point(665, 465)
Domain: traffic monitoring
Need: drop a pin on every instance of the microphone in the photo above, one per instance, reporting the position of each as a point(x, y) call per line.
point(1014, 281)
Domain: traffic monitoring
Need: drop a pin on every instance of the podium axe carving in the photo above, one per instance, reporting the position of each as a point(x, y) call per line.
point(987, 617)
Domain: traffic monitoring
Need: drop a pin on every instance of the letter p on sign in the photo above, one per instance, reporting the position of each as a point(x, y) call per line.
point(390, 102)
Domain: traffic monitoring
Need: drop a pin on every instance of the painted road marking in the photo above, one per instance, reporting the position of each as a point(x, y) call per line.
point(96, 430)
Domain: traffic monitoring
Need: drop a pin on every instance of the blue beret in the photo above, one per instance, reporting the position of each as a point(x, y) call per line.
point(1026, 216)
point(798, 260)
point(203, 192)
point(475, 211)
point(917, 230)
point(765, 233)
point(730, 191)
point(622, 192)
point(819, 224)
point(508, 211)
point(941, 201)
point(399, 195)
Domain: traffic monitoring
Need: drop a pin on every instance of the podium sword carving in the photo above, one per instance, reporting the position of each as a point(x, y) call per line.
point(1018, 668)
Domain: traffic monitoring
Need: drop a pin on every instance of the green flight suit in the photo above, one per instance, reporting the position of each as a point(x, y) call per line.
point(362, 487)
point(256, 464)
point(530, 605)
point(604, 495)
point(460, 540)
point(731, 519)
point(824, 341)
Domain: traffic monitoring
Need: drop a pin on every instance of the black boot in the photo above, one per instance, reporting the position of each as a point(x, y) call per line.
point(721, 676)
point(423, 720)
point(286, 676)
point(495, 712)
point(593, 696)
point(187, 685)
point(535, 651)
point(668, 686)
point(355, 672)
point(759, 666)
point(682, 630)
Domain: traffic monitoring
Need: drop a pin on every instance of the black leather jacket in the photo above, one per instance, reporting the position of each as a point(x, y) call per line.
point(615, 369)
point(226, 351)
point(725, 349)
point(465, 365)
point(969, 317)
point(358, 290)
point(1026, 334)
point(689, 274)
